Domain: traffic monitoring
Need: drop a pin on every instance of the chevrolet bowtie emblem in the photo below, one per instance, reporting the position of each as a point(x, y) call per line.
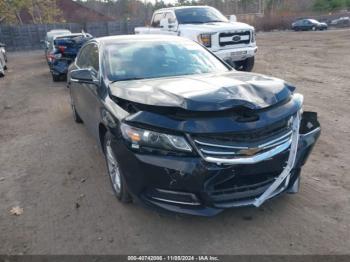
point(249, 151)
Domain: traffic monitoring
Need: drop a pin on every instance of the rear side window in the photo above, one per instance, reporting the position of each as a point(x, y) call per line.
point(156, 19)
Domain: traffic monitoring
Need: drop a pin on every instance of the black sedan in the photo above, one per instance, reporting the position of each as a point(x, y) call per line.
point(182, 131)
point(309, 24)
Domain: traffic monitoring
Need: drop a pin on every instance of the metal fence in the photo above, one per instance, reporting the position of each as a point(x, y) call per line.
point(28, 37)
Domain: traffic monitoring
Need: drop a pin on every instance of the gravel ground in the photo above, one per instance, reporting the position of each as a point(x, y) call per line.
point(52, 168)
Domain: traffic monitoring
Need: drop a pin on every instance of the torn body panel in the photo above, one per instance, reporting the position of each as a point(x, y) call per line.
point(216, 187)
point(223, 184)
point(210, 92)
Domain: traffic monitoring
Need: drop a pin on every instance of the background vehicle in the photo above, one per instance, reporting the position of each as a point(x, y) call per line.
point(183, 131)
point(3, 50)
point(341, 22)
point(48, 41)
point(308, 24)
point(64, 50)
point(3, 60)
point(232, 41)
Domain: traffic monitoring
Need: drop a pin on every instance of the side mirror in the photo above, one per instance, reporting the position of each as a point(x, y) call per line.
point(233, 18)
point(82, 76)
point(168, 24)
point(164, 24)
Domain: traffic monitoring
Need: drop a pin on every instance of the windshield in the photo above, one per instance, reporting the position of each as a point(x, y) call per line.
point(152, 59)
point(314, 21)
point(197, 15)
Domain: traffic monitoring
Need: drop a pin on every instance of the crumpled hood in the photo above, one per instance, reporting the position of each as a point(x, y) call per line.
point(209, 92)
point(216, 27)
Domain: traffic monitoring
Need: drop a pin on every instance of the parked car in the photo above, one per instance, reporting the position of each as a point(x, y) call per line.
point(48, 41)
point(3, 59)
point(184, 132)
point(309, 24)
point(341, 22)
point(64, 50)
point(230, 40)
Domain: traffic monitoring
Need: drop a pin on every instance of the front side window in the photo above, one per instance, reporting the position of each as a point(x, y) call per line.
point(82, 58)
point(156, 19)
point(153, 59)
point(94, 58)
point(89, 57)
point(196, 15)
point(170, 17)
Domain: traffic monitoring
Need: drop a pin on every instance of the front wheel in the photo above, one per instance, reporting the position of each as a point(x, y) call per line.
point(76, 117)
point(114, 171)
point(245, 65)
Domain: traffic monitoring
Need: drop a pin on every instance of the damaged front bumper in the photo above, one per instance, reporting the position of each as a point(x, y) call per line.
point(60, 67)
point(200, 186)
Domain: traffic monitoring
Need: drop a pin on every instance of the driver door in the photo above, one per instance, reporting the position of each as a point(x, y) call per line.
point(86, 97)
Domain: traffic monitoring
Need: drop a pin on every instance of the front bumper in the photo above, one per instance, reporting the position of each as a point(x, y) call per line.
point(191, 185)
point(236, 54)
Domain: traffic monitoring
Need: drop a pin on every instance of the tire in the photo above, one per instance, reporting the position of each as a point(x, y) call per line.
point(313, 28)
point(2, 71)
point(246, 65)
point(76, 117)
point(56, 78)
point(114, 171)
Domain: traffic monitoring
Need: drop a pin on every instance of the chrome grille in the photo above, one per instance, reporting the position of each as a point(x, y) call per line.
point(234, 38)
point(233, 151)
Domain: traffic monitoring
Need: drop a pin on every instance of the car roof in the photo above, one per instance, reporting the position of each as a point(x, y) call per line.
point(183, 7)
point(133, 38)
point(57, 31)
point(73, 35)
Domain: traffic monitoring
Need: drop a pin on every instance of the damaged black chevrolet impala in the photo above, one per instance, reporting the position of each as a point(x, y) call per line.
point(184, 132)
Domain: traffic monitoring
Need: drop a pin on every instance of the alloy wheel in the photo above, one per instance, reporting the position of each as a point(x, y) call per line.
point(113, 168)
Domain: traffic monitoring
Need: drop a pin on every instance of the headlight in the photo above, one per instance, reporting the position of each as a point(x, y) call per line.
point(253, 36)
point(145, 138)
point(205, 39)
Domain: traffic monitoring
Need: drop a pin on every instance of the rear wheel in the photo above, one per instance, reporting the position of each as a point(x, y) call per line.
point(56, 78)
point(115, 172)
point(313, 28)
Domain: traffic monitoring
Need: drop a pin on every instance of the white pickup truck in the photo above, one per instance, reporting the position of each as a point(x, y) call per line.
point(230, 40)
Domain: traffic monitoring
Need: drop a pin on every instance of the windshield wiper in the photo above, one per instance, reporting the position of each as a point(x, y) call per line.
point(127, 79)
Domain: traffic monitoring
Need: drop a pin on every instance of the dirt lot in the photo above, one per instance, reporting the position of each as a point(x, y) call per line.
point(48, 164)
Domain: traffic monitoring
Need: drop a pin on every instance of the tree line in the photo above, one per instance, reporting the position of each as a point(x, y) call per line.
point(40, 11)
point(47, 11)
